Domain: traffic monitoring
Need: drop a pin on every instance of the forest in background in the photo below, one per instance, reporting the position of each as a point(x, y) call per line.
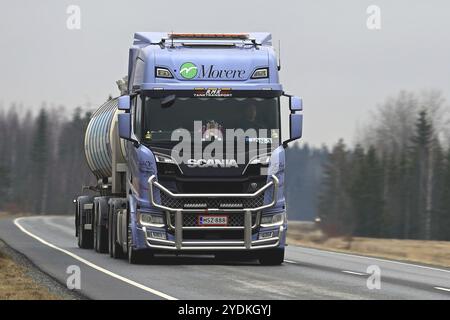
point(42, 162)
point(43, 167)
point(394, 182)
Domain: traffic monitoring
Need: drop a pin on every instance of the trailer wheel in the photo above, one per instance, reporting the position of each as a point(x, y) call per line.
point(272, 257)
point(85, 239)
point(95, 227)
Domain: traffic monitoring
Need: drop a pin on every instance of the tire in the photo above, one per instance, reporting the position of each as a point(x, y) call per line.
point(100, 231)
point(95, 227)
point(110, 229)
point(85, 237)
point(76, 218)
point(115, 249)
point(137, 256)
point(272, 257)
point(134, 256)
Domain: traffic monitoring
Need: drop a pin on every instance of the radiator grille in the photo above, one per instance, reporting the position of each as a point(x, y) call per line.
point(211, 203)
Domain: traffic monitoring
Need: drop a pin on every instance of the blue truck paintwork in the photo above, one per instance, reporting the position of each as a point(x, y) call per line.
point(190, 64)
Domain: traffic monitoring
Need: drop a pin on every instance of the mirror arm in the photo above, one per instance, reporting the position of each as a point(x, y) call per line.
point(286, 142)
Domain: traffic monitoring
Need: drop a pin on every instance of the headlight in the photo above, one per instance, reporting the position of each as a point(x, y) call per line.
point(152, 220)
point(163, 73)
point(260, 73)
point(273, 220)
point(263, 159)
point(163, 158)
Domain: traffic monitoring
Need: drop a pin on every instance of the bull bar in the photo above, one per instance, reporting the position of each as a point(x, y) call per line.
point(202, 245)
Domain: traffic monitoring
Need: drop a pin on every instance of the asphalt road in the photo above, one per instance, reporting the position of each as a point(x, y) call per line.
point(49, 242)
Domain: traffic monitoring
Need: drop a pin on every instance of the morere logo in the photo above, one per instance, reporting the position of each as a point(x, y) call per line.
point(212, 72)
point(188, 70)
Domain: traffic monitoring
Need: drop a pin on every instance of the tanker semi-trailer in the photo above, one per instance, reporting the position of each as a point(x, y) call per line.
point(156, 192)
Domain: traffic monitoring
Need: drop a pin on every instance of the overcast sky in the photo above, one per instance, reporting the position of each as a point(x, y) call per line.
point(329, 56)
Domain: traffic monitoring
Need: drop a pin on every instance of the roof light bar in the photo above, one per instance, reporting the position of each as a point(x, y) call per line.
point(241, 36)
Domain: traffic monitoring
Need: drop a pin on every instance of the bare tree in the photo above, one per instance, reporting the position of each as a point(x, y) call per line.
point(392, 124)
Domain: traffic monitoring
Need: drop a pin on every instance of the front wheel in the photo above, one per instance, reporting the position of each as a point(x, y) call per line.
point(134, 256)
point(272, 257)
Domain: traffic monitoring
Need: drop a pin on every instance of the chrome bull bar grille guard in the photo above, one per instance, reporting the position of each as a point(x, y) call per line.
point(179, 210)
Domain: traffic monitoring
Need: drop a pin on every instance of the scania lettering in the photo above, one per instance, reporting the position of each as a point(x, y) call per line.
point(203, 163)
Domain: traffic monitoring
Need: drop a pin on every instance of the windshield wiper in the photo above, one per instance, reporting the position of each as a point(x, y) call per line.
point(168, 101)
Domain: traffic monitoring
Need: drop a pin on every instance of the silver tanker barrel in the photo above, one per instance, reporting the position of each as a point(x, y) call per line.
point(100, 135)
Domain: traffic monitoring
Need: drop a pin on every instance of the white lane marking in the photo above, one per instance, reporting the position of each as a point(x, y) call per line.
point(58, 226)
point(353, 272)
point(94, 266)
point(373, 258)
point(443, 289)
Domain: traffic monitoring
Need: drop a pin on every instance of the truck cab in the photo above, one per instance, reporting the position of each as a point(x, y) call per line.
point(203, 160)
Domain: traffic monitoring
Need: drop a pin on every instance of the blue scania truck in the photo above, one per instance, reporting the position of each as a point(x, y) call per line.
point(161, 188)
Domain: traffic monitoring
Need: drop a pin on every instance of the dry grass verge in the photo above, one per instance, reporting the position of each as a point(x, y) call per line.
point(15, 284)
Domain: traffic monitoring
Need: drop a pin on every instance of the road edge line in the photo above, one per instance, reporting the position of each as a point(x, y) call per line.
point(92, 265)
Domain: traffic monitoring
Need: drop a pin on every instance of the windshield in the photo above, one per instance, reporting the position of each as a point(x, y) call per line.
point(211, 116)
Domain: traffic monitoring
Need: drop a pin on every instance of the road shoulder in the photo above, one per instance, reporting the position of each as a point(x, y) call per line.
point(22, 280)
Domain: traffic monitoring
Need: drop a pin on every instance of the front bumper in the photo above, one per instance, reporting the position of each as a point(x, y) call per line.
point(249, 240)
point(208, 245)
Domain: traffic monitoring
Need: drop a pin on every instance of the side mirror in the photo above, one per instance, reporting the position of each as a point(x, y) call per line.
point(295, 104)
point(296, 126)
point(124, 103)
point(124, 126)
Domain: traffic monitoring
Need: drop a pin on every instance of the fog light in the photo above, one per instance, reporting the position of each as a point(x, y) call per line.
point(265, 235)
point(158, 235)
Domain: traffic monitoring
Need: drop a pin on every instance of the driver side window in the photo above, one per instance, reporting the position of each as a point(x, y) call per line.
point(137, 108)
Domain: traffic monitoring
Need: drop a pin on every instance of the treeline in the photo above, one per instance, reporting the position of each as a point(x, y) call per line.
point(42, 164)
point(304, 171)
point(396, 182)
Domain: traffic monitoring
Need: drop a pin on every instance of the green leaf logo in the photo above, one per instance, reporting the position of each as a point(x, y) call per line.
point(188, 70)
